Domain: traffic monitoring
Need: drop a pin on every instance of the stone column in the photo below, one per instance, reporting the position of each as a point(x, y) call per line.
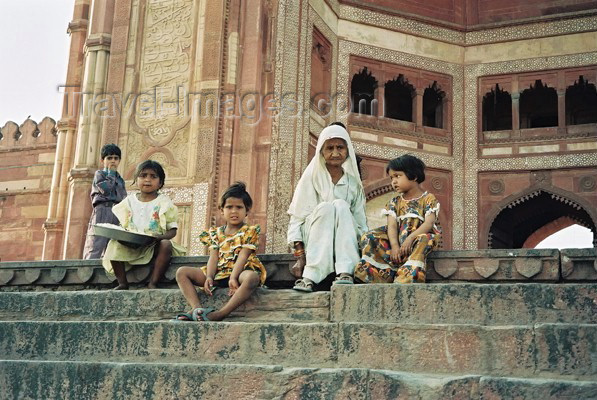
point(86, 157)
point(419, 110)
point(381, 101)
point(515, 114)
point(54, 224)
point(561, 112)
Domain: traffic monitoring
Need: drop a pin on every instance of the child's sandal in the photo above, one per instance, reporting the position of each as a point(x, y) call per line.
point(183, 317)
point(200, 314)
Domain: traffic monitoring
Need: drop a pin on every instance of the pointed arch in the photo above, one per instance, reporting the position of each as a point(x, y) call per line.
point(517, 217)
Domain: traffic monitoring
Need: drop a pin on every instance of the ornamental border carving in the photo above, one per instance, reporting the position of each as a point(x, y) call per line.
point(197, 196)
point(484, 36)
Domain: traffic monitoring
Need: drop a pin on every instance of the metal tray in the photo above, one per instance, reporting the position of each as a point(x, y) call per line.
point(125, 237)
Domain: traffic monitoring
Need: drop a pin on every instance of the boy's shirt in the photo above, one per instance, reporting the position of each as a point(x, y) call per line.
point(108, 186)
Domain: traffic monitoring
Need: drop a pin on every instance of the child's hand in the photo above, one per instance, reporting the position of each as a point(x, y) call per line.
point(406, 247)
point(395, 254)
point(233, 285)
point(208, 286)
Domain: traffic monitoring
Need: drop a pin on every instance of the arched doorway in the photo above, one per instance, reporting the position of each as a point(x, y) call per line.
point(524, 216)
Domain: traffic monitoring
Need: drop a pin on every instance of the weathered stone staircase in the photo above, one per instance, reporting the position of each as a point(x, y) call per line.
point(494, 337)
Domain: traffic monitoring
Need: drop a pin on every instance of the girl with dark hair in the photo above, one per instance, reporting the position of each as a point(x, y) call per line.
point(147, 212)
point(232, 261)
point(397, 252)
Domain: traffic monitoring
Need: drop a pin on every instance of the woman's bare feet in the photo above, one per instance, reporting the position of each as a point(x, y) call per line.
point(152, 285)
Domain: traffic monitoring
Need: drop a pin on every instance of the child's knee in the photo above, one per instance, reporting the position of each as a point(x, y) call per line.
point(165, 245)
point(181, 273)
point(251, 279)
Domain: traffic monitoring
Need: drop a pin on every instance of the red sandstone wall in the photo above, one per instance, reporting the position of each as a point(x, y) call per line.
point(26, 167)
point(473, 13)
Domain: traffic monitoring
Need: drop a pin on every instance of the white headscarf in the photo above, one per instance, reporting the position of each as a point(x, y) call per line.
point(316, 183)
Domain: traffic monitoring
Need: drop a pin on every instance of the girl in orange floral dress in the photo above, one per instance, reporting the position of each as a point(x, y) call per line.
point(397, 252)
point(232, 261)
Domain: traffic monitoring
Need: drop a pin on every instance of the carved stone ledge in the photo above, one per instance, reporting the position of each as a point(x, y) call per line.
point(579, 264)
point(494, 265)
point(90, 273)
point(520, 265)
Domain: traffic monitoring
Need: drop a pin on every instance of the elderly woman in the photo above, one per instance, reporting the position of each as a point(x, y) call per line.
point(327, 213)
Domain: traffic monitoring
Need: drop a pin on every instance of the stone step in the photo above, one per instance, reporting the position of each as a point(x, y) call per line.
point(84, 380)
point(542, 350)
point(150, 305)
point(454, 303)
point(485, 304)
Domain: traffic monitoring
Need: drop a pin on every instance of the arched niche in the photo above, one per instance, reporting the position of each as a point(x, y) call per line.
point(517, 218)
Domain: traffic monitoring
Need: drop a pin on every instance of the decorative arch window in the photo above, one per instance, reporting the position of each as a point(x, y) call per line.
point(433, 106)
point(362, 89)
point(538, 106)
point(398, 99)
point(581, 103)
point(497, 110)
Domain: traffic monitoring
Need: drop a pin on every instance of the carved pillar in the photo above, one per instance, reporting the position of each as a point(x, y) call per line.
point(561, 111)
point(86, 157)
point(419, 109)
point(515, 114)
point(54, 224)
point(381, 101)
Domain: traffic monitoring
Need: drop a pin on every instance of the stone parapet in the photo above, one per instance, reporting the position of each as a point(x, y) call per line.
point(579, 264)
point(495, 265)
point(28, 135)
point(517, 265)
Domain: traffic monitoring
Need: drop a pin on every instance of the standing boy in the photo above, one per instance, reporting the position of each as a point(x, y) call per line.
point(107, 190)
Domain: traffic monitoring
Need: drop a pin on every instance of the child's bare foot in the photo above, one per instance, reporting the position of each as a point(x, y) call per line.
point(152, 285)
point(206, 314)
point(122, 286)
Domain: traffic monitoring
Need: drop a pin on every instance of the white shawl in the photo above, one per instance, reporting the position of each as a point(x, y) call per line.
point(316, 183)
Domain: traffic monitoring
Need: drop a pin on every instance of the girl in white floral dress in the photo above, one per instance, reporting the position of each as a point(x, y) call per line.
point(146, 212)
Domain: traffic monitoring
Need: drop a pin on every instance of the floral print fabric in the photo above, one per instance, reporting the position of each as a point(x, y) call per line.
point(230, 246)
point(376, 266)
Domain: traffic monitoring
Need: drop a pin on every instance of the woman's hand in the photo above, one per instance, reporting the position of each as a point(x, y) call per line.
point(208, 286)
point(233, 285)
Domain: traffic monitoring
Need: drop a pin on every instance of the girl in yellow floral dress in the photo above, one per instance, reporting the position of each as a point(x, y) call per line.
point(232, 261)
point(146, 212)
point(397, 252)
